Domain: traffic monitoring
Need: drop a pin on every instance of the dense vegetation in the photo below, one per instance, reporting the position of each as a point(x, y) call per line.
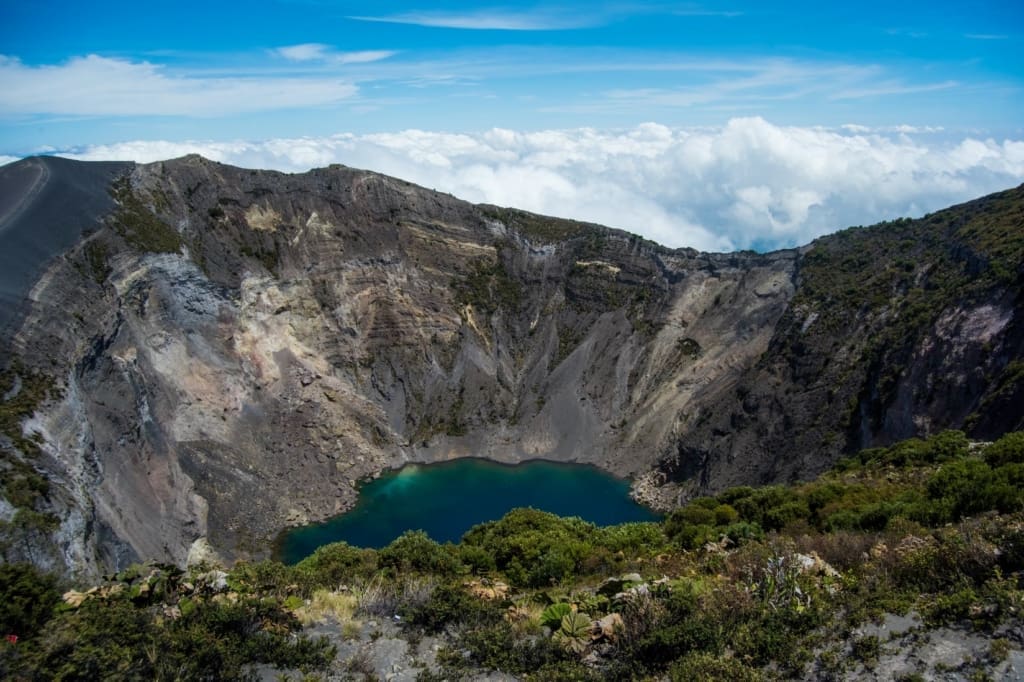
point(754, 583)
point(884, 289)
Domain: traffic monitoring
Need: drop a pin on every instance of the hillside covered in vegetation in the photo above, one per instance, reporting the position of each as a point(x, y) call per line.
point(880, 568)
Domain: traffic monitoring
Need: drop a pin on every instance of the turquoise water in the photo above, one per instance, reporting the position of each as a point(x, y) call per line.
point(446, 500)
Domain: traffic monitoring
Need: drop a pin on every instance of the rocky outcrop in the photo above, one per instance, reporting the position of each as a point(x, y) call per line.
point(899, 330)
point(233, 349)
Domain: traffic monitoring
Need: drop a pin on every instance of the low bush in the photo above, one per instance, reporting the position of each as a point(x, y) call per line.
point(451, 606)
point(331, 566)
point(701, 665)
point(1007, 450)
point(414, 551)
point(217, 639)
point(27, 599)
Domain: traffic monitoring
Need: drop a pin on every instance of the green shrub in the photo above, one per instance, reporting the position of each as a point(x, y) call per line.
point(477, 559)
point(731, 495)
point(27, 599)
point(947, 446)
point(695, 537)
point(1007, 450)
point(497, 647)
point(708, 667)
point(263, 577)
point(535, 548)
point(965, 487)
point(950, 608)
point(867, 649)
point(669, 641)
point(556, 565)
point(563, 671)
point(942, 447)
point(742, 532)
point(725, 515)
point(697, 515)
point(336, 564)
point(778, 517)
point(824, 494)
point(414, 551)
point(632, 538)
point(116, 639)
point(781, 503)
point(451, 606)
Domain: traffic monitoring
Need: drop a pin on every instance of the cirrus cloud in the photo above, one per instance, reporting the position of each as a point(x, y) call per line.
point(318, 52)
point(101, 86)
point(748, 184)
point(493, 20)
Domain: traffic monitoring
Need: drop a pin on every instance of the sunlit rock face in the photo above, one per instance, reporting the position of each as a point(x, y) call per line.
point(232, 350)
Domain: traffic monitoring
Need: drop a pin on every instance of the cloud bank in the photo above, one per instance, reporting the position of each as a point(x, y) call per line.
point(748, 184)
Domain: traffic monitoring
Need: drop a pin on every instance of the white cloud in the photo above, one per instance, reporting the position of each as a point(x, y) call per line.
point(549, 17)
point(99, 86)
point(363, 56)
point(308, 52)
point(493, 20)
point(4, 160)
point(887, 89)
point(902, 128)
point(304, 52)
point(747, 184)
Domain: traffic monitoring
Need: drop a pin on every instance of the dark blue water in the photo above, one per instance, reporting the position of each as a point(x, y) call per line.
point(446, 500)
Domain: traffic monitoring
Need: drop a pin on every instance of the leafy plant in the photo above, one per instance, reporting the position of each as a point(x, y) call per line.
point(552, 616)
point(574, 633)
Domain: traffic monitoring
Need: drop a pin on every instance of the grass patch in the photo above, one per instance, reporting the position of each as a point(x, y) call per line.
point(324, 605)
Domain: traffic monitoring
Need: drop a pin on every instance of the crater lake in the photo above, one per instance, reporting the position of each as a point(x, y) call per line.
point(447, 499)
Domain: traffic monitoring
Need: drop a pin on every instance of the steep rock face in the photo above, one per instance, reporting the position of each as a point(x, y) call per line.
point(231, 350)
point(899, 330)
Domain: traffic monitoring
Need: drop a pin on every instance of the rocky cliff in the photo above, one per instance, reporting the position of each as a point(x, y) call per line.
point(898, 330)
point(221, 352)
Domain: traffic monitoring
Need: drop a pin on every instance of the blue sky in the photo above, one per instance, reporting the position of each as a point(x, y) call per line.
point(79, 76)
point(317, 67)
